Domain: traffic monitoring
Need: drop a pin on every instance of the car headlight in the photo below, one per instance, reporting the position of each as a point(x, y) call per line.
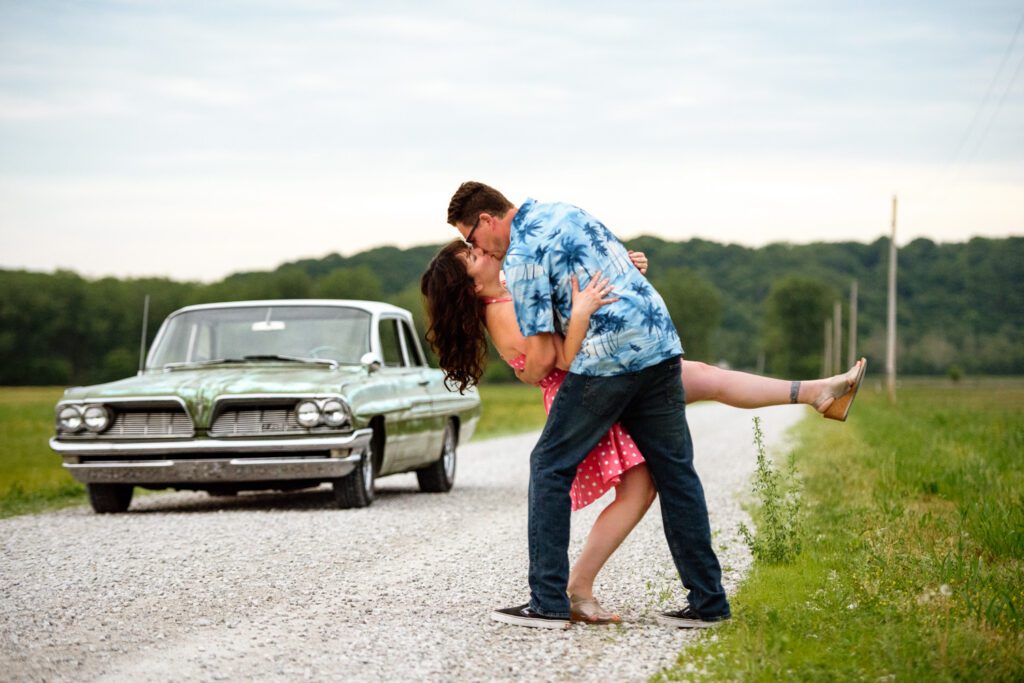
point(97, 418)
point(335, 413)
point(307, 413)
point(70, 418)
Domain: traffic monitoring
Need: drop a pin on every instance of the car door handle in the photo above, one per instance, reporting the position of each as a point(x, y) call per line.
point(423, 382)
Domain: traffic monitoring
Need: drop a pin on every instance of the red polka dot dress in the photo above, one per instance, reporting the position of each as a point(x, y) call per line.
point(602, 469)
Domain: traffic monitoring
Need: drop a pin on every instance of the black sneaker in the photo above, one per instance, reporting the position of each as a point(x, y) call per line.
point(524, 616)
point(687, 618)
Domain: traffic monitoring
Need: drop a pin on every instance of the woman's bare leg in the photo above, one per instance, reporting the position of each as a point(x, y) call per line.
point(636, 492)
point(633, 496)
point(703, 382)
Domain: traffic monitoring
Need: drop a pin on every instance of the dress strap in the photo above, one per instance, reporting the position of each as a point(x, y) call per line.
point(496, 299)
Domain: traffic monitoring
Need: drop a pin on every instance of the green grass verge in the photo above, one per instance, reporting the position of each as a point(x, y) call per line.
point(912, 565)
point(509, 409)
point(31, 476)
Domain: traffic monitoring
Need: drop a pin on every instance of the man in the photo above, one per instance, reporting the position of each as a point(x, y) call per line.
point(627, 371)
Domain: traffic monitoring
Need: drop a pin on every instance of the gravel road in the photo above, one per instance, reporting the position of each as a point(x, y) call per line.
point(281, 587)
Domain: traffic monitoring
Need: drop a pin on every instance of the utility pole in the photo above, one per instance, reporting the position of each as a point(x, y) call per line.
point(826, 358)
point(851, 344)
point(837, 336)
point(890, 337)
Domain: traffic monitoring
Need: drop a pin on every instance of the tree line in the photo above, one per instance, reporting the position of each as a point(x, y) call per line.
point(961, 305)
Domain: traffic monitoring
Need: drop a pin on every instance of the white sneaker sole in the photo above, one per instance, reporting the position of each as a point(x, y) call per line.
point(688, 623)
point(530, 622)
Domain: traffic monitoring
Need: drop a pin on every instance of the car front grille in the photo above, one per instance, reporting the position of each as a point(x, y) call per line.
point(136, 425)
point(255, 421)
point(150, 423)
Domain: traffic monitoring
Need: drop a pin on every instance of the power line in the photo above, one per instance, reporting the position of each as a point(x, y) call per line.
point(992, 117)
point(989, 91)
point(955, 166)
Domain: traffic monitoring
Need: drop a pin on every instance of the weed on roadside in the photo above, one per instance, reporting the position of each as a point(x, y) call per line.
point(777, 539)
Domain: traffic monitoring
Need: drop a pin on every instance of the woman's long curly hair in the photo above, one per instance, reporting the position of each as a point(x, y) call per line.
point(455, 318)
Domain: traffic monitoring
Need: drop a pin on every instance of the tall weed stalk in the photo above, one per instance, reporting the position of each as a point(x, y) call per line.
point(777, 538)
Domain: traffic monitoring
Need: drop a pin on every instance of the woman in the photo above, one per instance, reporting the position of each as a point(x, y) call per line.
point(466, 300)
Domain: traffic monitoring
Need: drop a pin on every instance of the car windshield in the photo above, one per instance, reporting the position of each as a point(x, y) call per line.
point(327, 333)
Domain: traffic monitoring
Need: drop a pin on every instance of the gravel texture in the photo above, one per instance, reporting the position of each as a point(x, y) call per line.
point(272, 586)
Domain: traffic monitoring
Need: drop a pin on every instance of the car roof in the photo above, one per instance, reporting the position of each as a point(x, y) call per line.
point(375, 307)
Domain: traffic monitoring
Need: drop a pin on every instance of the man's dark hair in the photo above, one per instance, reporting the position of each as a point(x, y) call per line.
point(472, 199)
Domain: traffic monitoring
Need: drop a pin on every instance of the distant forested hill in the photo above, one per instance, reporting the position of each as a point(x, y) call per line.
point(960, 305)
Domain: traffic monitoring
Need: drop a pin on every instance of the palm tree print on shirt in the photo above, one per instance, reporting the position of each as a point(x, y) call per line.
point(556, 242)
point(527, 231)
point(602, 323)
point(596, 236)
point(653, 318)
point(642, 289)
point(539, 303)
point(572, 256)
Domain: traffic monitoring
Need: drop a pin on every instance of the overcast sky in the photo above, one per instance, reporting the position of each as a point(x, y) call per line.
point(196, 139)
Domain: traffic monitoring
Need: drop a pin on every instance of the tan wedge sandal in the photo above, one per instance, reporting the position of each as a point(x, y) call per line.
point(842, 397)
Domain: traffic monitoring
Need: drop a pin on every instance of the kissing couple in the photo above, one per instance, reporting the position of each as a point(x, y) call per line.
point(580, 320)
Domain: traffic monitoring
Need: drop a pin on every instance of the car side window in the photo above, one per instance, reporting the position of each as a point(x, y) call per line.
point(390, 346)
point(413, 351)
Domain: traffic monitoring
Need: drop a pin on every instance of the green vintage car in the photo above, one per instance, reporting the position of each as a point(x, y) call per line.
point(269, 395)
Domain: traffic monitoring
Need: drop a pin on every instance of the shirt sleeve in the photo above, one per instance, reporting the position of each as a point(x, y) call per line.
point(531, 295)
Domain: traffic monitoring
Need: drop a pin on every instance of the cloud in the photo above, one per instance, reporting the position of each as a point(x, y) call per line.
point(158, 127)
point(199, 91)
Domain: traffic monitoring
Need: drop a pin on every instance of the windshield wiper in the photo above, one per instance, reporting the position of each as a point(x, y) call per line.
point(292, 359)
point(249, 359)
point(193, 363)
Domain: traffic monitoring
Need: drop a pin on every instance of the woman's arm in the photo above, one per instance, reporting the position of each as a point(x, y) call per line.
point(565, 350)
point(584, 302)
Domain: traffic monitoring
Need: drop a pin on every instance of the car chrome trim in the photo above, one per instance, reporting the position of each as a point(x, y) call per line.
point(132, 401)
point(127, 399)
point(298, 396)
point(223, 402)
point(214, 471)
point(356, 439)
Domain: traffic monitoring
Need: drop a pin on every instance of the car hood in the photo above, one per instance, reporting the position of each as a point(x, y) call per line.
point(198, 387)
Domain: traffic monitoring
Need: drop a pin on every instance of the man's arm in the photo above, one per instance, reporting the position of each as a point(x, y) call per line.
point(540, 358)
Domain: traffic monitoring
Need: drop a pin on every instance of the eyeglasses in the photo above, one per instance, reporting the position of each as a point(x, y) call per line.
point(469, 237)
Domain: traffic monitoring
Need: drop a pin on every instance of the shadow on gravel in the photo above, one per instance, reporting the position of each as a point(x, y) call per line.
point(318, 499)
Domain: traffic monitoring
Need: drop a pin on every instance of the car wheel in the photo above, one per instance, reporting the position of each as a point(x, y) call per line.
point(355, 490)
point(439, 477)
point(110, 497)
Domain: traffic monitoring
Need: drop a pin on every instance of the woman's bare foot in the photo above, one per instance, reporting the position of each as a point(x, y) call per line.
point(589, 611)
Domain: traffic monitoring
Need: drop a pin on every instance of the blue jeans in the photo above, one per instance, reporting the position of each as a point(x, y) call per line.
point(650, 405)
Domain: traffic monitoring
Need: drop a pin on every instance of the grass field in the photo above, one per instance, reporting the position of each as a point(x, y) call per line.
point(32, 479)
point(509, 409)
point(31, 476)
point(912, 562)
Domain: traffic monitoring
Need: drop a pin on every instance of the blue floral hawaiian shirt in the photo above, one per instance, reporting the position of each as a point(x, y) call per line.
point(550, 242)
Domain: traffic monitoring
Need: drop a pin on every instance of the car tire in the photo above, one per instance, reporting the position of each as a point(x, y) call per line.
point(355, 490)
point(439, 476)
point(106, 498)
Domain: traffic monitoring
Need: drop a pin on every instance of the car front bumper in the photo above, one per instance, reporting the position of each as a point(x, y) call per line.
point(213, 460)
